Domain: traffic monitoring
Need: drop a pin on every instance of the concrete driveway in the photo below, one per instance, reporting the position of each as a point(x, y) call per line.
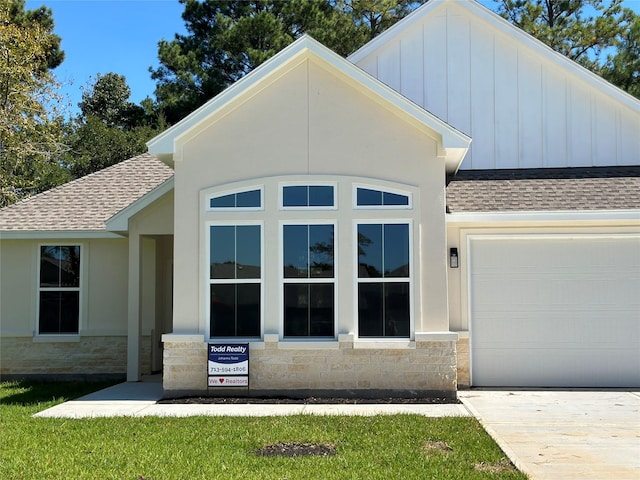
point(556, 435)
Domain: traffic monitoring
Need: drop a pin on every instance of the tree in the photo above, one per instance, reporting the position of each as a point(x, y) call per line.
point(109, 128)
point(30, 118)
point(228, 39)
point(623, 67)
point(568, 27)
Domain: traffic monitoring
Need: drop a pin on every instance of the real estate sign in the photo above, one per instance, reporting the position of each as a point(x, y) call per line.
point(228, 364)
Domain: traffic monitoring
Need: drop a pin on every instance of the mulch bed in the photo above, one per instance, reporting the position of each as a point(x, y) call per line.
point(306, 401)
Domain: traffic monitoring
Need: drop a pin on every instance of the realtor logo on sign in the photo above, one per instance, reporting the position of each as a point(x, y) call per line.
point(228, 365)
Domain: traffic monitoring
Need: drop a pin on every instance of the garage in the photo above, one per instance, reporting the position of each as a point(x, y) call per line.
point(554, 311)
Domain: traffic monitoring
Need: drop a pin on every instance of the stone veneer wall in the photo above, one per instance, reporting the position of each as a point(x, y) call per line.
point(84, 356)
point(424, 367)
point(462, 347)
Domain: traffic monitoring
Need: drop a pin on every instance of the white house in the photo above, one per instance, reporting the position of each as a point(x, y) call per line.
point(455, 204)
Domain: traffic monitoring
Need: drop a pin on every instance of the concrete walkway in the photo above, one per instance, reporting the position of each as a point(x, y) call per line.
point(556, 435)
point(139, 400)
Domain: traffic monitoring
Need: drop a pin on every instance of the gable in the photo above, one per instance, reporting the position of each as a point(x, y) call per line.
point(303, 54)
point(524, 105)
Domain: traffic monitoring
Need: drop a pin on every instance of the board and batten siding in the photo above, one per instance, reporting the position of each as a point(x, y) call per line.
point(524, 105)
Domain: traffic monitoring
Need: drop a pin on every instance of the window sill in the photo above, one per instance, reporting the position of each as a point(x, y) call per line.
point(55, 338)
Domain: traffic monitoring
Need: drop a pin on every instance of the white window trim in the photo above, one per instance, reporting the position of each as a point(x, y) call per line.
point(357, 280)
point(302, 183)
point(81, 289)
point(222, 193)
point(383, 189)
point(283, 280)
point(211, 281)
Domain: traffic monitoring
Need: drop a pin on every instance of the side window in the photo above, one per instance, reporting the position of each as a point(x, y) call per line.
point(309, 280)
point(235, 280)
point(59, 289)
point(249, 199)
point(384, 283)
point(368, 197)
point(315, 196)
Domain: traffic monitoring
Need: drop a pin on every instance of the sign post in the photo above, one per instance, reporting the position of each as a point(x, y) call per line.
point(228, 365)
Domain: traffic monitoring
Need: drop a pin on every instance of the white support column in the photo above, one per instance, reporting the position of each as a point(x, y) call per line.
point(134, 327)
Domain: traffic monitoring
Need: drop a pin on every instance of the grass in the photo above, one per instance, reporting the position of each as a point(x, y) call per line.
point(380, 447)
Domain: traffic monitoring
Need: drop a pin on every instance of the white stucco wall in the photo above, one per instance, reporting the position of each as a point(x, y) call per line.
point(309, 122)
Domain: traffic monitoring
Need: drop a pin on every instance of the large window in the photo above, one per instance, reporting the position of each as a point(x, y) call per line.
point(235, 280)
point(309, 285)
point(383, 280)
point(59, 289)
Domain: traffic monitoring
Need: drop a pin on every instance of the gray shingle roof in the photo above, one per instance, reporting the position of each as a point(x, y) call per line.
point(88, 202)
point(597, 188)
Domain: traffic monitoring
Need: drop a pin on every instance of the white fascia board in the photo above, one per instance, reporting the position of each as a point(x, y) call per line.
point(56, 234)
point(120, 221)
point(632, 216)
point(448, 136)
point(507, 28)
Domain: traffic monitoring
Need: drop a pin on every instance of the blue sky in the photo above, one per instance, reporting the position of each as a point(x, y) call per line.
point(120, 36)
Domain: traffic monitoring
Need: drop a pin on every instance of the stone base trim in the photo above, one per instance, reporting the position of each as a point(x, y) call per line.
point(426, 366)
point(78, 357)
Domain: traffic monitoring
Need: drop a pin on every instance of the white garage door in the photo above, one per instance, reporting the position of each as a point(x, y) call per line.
point(555, 312)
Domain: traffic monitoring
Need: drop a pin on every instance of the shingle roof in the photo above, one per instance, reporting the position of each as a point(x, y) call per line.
point(597, 188)
point(88, 202)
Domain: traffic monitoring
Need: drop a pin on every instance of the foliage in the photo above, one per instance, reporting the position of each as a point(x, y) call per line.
point(30, 109)
point(227, 39)
point(623, 67)
point(380, 447)
point(579, 29)
point(110, 128)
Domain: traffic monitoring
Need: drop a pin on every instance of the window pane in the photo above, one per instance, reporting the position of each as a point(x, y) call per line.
point(366, 196)
point(396, 313)
point(225, 201)
point(248, 199)
point(59, 312)
point(222, 313)
point(321, 309)
point(248, 251)
point(370, 251)
point(248, 311)
point(49, 266)
point(395, 199)
point(295, 196)
point(222, 245)
point(320, 196)
point(396, 250)
point(370, 310)
point(70, 266)
point(296, 310)
point(383, 310)
point(321, 251)
point(296, 251)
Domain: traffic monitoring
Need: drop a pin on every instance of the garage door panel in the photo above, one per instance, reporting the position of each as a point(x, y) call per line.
point(538, 368)
point(562, 309)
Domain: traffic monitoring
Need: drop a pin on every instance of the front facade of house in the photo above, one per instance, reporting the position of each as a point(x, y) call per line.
point(335, 215)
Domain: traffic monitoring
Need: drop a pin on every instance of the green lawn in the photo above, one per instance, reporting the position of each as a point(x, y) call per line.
point(381, 447)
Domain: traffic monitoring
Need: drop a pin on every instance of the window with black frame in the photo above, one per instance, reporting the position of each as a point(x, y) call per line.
point(309, 280)
point(235, 280)
point(59, 289)
point(384, 283)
